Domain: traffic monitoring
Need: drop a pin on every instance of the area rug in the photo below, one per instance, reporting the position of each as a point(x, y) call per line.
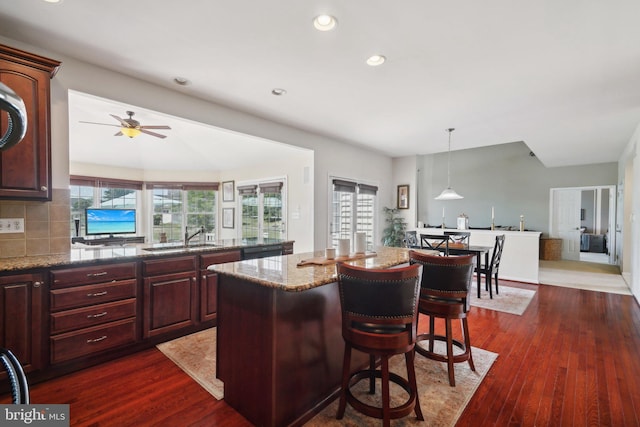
point(509, 300)
point(441, 404)
point(196, 355)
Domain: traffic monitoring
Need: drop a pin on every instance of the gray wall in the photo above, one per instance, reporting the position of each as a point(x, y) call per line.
point(504, 176)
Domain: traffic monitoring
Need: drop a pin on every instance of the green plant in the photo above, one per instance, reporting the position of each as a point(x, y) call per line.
point(393, 234)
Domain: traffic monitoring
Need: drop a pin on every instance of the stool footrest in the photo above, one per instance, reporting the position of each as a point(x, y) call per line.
point(375, 411)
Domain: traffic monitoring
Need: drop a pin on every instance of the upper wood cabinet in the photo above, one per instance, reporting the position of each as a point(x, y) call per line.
point(25, 168)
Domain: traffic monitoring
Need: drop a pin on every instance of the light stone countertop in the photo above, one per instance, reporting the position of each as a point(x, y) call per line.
point(283, 272)
point(82, 254)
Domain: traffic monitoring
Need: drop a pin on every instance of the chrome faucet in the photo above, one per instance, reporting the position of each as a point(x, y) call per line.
point(188, 237)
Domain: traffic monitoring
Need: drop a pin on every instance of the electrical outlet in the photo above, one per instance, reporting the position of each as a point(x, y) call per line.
point(11, 225)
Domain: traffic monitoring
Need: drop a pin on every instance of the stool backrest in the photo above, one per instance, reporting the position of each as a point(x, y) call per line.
point(445, 277)
point(379, 300)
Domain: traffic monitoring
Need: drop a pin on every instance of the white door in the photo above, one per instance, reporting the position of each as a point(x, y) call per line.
point(565, 222)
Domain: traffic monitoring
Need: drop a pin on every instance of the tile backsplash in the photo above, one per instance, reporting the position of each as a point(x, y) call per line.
point(46, 226)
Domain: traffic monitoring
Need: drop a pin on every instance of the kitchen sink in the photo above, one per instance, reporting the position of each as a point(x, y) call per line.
point(163, 247)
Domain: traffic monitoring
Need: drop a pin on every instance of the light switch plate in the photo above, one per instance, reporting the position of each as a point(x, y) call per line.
point(11, 225)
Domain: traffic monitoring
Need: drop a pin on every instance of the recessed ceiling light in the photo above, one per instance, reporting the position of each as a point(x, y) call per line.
point(325, 22)
point(278, 92)
point(376, 60)
point(53, 1)
point(181, 81)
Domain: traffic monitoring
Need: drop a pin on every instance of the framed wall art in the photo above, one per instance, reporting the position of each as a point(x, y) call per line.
point(228, 215)
point(403, 196)
point(228, 191)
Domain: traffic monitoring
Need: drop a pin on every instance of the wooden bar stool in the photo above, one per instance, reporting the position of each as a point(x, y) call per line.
point(379, 317)
point(445, 293)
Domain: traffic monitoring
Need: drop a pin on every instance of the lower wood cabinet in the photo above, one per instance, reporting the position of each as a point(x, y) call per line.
point(92, 309)
point(170, 298)
point(21, 322)
point(209, 282)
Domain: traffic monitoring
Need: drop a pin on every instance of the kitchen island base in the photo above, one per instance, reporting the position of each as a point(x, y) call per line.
point(279, 353)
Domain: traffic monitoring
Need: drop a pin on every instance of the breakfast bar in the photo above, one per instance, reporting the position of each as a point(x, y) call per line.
point(279, 343)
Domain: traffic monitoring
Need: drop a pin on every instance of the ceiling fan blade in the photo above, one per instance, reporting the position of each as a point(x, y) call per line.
point(155, 127)
point(118, 134)
point(122, 122)
point(103, 124)
point(152, 133)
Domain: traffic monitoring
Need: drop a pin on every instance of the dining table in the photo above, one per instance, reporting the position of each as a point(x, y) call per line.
point(479, 251)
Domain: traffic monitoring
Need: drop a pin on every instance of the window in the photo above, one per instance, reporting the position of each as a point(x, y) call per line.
point(180, 208)
point(262, 210)
point(99, 193)
point(352, 209)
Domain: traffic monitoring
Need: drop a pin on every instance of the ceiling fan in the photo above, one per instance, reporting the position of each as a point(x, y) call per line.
point(132, 128)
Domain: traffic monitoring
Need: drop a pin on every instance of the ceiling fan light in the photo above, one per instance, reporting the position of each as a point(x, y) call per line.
point(449, 194)
point(130, 132)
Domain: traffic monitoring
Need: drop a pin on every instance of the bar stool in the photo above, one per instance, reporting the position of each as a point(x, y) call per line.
point(379, 317)
point(445, 293)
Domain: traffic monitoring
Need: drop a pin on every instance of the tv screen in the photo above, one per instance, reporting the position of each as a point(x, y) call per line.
point(110, 221)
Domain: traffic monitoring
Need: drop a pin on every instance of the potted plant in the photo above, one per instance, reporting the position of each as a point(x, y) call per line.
point(393, 234)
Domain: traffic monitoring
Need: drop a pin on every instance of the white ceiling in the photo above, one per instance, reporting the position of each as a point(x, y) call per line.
point(562, 76)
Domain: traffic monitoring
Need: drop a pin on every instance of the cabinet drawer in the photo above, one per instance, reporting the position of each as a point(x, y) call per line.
point(219, 258)
point(92, 340)
point(82, 296)
point(95, 274)
point(91, 316)
point(168, 265)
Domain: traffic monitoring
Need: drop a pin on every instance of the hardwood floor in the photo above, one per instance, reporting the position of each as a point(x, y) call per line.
point(573, 359)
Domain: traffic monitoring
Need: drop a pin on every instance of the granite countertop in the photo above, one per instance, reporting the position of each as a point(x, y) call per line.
point(283, 272)
point(80, 253)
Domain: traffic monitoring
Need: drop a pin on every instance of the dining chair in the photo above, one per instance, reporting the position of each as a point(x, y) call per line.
point(491, 270)
point(445, 293)
point(379, 317)
point(16, 376)
point(438, 242)
point(458, 239)
point(411, 239)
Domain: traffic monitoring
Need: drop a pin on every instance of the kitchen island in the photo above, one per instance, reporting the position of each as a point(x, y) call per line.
point(279, 344)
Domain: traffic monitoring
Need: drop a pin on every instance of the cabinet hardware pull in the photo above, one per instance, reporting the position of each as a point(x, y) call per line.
point(37, 284)
point(102, 338)
point(102, 273)
point(93, 316)
point(43, 188)
point(97, 294)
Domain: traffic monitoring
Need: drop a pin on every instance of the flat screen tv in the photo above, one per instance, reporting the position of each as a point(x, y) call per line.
point(110, 221)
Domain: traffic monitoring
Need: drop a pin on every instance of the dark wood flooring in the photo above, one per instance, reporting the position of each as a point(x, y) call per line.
point(572, 359)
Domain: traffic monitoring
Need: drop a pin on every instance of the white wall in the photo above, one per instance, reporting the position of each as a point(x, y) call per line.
point(331, 157)
point(629, 181)
point(404, 172)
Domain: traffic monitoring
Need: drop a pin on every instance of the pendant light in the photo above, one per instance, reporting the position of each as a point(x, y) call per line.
point(449, 193)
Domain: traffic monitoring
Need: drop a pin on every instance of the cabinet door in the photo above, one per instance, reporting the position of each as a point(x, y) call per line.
point(21, 318)
point(208, 295)
point(170, 303)
point(25, 169)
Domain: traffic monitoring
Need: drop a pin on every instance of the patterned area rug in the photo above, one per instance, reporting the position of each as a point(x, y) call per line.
point(441, 404)
point(196, 355)
point(510, 300)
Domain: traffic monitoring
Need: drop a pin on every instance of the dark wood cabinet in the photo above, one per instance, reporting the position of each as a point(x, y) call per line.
point(209, 282)
point(170, 298)
point(25, 169)
point(93, 309)
point(21, 302)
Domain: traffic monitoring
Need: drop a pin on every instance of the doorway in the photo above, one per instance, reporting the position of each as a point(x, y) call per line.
point(584, 218)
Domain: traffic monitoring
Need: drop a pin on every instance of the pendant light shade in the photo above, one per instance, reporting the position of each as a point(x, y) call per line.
point(449, 193)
